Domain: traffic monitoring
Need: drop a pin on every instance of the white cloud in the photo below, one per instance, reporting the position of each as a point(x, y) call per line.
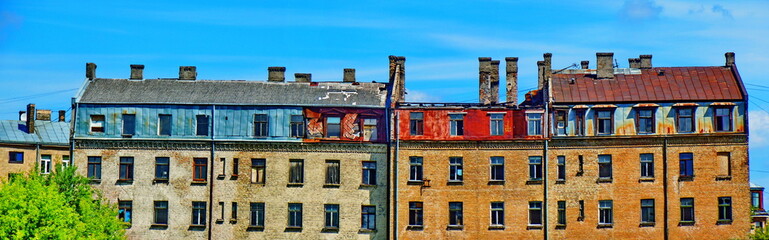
point(419, 96)
point(640, 10)
point(759, 129)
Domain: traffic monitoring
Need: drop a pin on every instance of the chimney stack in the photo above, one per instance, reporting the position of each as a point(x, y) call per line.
point(302, 77)
point(605, 64)
point(137, 72)
point(398, 77)
point(43, 115)
point(484, 80)
point(511, 78)
point(349, 75)
point(90, 71)
point(540, 74)
point(634, 62)
point(494, 82)
point(548, 66)
point(729, 59)
point(31, 117)
point(646, 61)
point(62, 116)
point(187, 73)
point(276, 74)
point(585, 64)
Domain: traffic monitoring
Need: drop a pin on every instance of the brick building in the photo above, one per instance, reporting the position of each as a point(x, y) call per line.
point(33, 142)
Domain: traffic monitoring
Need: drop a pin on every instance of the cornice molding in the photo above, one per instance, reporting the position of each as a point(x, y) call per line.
point(232, 146)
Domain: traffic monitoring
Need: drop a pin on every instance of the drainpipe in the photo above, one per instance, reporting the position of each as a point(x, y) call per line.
point(37, 155)
point(72, 124)
point(545, 149)
point(211, 175)
point(665, 185)
point(395, 172)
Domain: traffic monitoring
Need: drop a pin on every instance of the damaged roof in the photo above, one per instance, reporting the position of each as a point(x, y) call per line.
point(46, 132)
point(659, 84)
point(233, 92)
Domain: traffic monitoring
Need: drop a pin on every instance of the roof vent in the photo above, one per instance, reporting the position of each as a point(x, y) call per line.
point(572, 80)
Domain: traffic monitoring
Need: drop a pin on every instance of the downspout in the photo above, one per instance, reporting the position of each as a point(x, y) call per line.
point(665, 185)
point(37, 156)
point(395, 157)
point(211, 175)
point(388, 121)
point(545, 142)
point(72, 124)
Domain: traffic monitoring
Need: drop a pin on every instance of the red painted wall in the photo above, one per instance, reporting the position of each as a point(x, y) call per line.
point(476, 125)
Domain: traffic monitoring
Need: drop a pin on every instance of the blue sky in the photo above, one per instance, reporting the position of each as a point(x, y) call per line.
point(44, 45)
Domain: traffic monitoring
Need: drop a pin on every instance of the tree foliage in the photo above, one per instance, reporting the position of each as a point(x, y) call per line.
point(60, 205)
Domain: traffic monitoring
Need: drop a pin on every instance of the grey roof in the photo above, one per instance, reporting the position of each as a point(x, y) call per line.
point(46, 132)
point(753, 185)
point(172, 91)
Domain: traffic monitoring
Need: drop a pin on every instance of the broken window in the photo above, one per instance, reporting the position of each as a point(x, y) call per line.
point(604, 121)
point(97, 123)
point(258, 167)
point(416, 123)
point(561, 122)
point(579, 122)
point(457, 125)
point(369, 129)
point(723, 119)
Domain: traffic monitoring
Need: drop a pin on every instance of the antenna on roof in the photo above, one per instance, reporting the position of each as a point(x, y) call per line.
point(561, 70)
point(616, 64)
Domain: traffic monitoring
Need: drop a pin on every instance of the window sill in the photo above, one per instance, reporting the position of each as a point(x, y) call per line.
point(220, 176)
point(257, 183)
point(723, 178)
point(295, 185)
point(96, 181)
point(560, 226)
point(233, 177)
point(16, 162)
point(366, 231)
point(455, 227)
point(233, 220)
point(497, 227)
point(415, 182)
point(646, 179)
point(496, 182)
point(686, 223)
point(127, 135)
point(560, 181)
point(685, 178)
point(603, 180)
point(330, 230)
point(156, 181)
point(255, 228)
point(330, 185)
point(126, 225)
point(124, 182)
point(158, 226)
point(219, 221)
point(646, 224)
point(533, 227)
point(579, 173)
point(415, 227)
point(196, 227)
point(293, 229)
point(534, 182)
point(455, 182)
point(199, 183)
point(724, 222)
point(605, 225)
point(367, 186)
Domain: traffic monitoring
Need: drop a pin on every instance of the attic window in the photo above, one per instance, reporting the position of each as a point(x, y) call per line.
point(97, 123)
point(333, 127)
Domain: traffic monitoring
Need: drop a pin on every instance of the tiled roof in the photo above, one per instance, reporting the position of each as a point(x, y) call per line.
point(234, 92)
point(659, 84)
point(46, 132)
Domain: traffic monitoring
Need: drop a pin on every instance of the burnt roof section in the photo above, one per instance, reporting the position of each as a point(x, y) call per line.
point(659, 84)
point(233, 92)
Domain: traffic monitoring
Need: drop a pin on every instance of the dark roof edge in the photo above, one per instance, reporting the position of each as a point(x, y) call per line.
point(235, 104)
point(628, 102)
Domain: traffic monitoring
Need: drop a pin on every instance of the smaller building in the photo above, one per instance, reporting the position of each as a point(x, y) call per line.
point(759, 215)
point(33, 141)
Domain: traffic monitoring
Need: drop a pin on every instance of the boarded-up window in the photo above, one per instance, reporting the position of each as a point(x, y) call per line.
point(258, 170)
point(369, 130)
point(724, 164)
point(97, 123)
point(164, 125)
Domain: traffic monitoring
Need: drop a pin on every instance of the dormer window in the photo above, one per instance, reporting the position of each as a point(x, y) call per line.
point(534, 123)
point(561, 122)
point(644, 119)
point(97, 123)
point(722, 119)
point(685, 119)
point(333, 127)
point(604, 121)
point(457, 124)
point(261, 124)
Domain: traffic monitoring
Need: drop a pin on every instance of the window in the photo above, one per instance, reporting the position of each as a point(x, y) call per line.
point(644, 119)
point(604, 122)
point(124, 211)
point(455, 214)
point(535, 168)
point(296, 171)
point(455, 169)
point(723, 119)
point(129, 124)
point(164, 125)
point(755, 199)
point(368, 217)
point(199, 169)
point(235, 166)
point(561, 213)
point(161, 212)
point(94, 167)
point(221, 206)
point(15, 157)
point(234, 213)
point(497, 168)
point(260, 125)
point(369, 173)
point(257, 214)
point(45, 164)
point(497, 213)
point(581, 216)
point(457, 125)
point(369, 129)
point(561, 122)
point(294, 215)
point(224, 166)
point(605, 212)
point(580, 167)
point(724, 164)
point(497, 124)
point(415, 213)
point(724, 209)
point(687, 210)
point(126, 169)
point(561, 168)
point(97, 123)
point(332, 216)
point(416, 124)
point(579, 122)
point(685, 120)
point(201, 128)
point(333, 127)
point(535, 123)
point(647, 211)
point(199, 213)
point(297, 126)
point(161, 168)
point(65, 161)
point(535, 213)
point(332, 172)
point(258, 167)
point(604, 166)
point(415, 169)
point(686, 164)
point(647, 165)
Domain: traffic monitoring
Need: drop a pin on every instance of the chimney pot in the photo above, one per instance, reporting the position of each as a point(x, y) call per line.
point(137, 71)
point(90, 71)
point(276, 74)
point(31, 118)
point(634, 62)
point(729, 59)
point(188, 73)
point(646, 61)
point(349, 75)
point(585, 64)
point(62, 116)
point(303, 77)
point(511, 79)
point(605, 64)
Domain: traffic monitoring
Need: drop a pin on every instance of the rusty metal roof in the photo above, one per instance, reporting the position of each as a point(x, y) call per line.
point(659, 84)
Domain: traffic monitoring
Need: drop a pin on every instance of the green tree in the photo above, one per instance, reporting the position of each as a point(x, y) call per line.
point(60, 205)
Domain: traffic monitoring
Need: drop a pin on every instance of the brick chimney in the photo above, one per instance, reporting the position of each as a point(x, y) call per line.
point(548, 65)
point(511, 68)
point(634, 62)
point(90, 71)
point(302, 77)
point(137, 72)
point(188, 73)
point(31, 118)
point(605, 65)
point(494, 82)
point(585, 64)
point(43, 115)
point(484, 80)
point(540, 74)
point(646, 61)
point(398, 77)
point(62, 116)
point(349, 75)
point(729, 59)
point(276, 74)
